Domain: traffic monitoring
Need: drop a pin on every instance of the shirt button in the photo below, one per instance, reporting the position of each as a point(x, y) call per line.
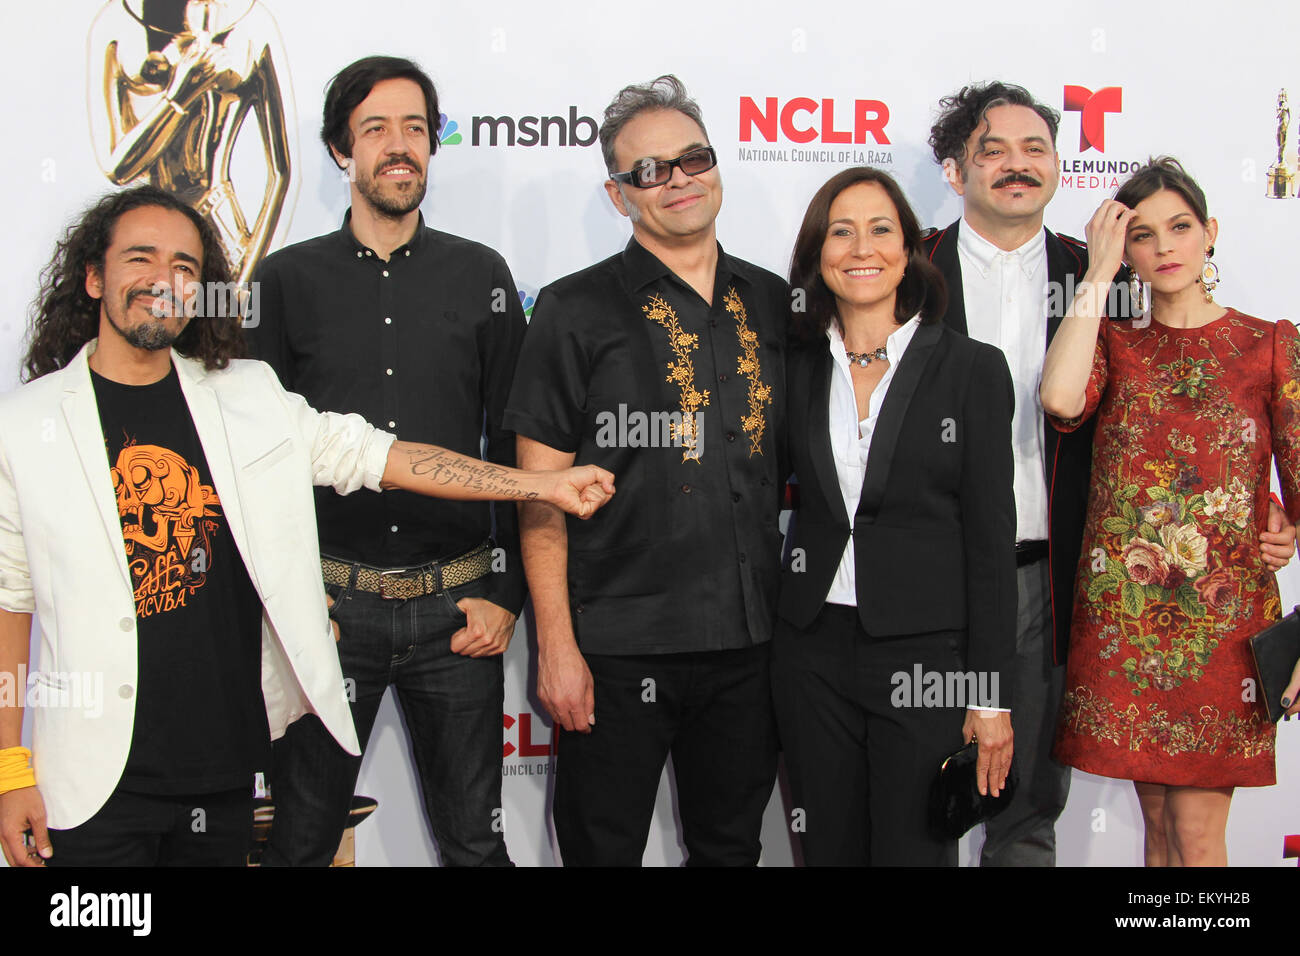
point(742, 559)
point(389, 371)
point(126, 692)
point(385, 273)
point(392, 424)
point(722, 377)
point(367, 252)
point(735, 496)
point(388, 320)
point(731, 436)
point(578, 609)
point(713, 323)
point(408, 252)
point(393, 529)
point(686, 489)
point(126, 623)
point(359, 255)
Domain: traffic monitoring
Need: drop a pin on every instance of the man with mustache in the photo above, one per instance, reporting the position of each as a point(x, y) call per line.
point(1010, 281)
point(653, 627)
point(418, 331)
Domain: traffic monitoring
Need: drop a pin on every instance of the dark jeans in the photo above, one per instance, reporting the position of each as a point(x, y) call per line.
point(713, 712)
point(452, 707)
point(136, 829)
point(860, 768)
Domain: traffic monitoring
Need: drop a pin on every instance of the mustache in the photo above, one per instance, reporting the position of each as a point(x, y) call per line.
point(164, 298)
point(405, 159)
point(1012, 179)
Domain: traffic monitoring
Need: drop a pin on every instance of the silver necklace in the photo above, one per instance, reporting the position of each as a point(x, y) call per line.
point(866, 358)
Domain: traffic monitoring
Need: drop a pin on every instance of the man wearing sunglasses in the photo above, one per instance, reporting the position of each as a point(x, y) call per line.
point(664, 362)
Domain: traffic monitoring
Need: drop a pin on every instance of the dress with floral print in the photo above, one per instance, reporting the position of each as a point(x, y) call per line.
point(1160, 684)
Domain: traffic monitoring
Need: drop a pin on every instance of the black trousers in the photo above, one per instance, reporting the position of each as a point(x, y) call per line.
point(136, 829)
point(712, 711)
point(860, 767)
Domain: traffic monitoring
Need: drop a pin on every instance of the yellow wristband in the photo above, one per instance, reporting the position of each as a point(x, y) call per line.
point(15, 770)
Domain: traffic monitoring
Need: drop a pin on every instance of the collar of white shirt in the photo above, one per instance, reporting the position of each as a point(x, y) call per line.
point(895, 345)
point(982, 253)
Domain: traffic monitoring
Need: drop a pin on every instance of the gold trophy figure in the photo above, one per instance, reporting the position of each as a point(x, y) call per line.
point(1281, 181)
point(175, 119)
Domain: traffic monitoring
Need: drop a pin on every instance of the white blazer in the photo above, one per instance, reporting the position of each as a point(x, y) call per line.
point(62, 554)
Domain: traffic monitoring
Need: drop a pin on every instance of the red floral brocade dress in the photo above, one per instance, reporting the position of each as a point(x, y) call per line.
point(1160, 684)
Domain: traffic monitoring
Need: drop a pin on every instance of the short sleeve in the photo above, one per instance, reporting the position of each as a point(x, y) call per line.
point(1095, 388)
point(548, 401)
point(1285, 407)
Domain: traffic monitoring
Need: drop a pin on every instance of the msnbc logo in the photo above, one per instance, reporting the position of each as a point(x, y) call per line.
point(447, 135)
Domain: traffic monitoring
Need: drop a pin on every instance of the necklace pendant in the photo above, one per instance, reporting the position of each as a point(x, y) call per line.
point(864, 361)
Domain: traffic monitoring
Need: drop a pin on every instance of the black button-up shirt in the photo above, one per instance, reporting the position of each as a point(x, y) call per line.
point(686, 556)
point(424, 346)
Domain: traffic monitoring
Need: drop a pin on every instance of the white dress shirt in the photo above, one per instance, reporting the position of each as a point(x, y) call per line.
point(851, 438)
point(1006, 305)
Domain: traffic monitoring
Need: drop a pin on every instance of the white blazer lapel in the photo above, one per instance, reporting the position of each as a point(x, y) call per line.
point(205, 410)
point(82, 417)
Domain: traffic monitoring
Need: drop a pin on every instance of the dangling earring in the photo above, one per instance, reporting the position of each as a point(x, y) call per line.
point(1209, 275)
point(1136, 294)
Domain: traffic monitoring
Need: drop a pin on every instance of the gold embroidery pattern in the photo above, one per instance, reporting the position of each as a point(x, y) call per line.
point(682, 372)
point(1229, 735)
point(747, 365)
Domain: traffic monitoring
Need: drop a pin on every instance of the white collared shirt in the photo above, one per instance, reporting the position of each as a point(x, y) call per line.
point(851, 438)
point(1006, 305)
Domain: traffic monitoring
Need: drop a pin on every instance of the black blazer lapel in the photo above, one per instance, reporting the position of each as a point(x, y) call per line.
point(890, 423)
point(945, 260)
point(819, 428)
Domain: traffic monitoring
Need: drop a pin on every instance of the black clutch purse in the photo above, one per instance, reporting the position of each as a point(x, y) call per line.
point(1276, 650)
point(955, 802)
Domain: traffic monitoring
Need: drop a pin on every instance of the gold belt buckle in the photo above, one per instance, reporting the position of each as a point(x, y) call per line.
point(396, 575)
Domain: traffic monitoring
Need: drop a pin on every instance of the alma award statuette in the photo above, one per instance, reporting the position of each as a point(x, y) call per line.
point(1281, 181)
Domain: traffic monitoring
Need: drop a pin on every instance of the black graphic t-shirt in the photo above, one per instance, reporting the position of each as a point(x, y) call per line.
point(200, 722)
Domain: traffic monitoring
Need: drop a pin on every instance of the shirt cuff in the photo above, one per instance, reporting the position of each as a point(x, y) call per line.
point(989, 710)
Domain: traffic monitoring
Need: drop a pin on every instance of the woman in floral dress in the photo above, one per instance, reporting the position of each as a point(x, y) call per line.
point(1193, 401)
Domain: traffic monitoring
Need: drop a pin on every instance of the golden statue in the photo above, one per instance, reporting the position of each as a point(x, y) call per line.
point(196, 70)
point(1280, 179)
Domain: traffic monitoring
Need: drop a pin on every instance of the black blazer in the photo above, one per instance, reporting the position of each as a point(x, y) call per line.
point(1067, 458)
point(934, 533)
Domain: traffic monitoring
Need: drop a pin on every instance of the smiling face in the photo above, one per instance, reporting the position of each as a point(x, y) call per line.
point(1011, 169)
point(682, 209)
point(153, 257)
point(863, 255)
point(390, 148)
point(1166, 244)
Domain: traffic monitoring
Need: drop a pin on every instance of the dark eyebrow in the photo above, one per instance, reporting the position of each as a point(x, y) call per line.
point(1133, 224)
point(153, 250)
point(379, 119)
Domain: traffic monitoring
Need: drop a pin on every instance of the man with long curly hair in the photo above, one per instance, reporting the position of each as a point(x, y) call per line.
point(156, 513)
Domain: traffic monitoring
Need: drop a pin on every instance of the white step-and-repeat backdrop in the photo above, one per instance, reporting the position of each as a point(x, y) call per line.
point(791, 93)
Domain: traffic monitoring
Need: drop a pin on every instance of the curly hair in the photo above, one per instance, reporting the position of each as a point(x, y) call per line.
point(922, 289)
point(65, 317)
point(963, 113)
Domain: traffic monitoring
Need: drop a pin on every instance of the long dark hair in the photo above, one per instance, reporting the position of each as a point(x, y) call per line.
point(922, 288)
point(65, 317)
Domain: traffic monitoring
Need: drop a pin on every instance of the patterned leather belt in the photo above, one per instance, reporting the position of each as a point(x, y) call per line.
point(401, 584)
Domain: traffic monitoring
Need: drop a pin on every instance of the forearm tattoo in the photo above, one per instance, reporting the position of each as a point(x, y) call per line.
point(443, 467)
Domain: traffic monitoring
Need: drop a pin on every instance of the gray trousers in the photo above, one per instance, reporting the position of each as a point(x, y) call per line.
point(1024, 834)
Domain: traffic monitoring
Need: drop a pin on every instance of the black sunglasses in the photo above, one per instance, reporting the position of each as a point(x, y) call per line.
point(656, 172)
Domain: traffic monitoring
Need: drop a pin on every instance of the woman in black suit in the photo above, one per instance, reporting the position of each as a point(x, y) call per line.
point(902, 567)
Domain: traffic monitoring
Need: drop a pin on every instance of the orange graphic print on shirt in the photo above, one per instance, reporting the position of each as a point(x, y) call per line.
point(167, 523)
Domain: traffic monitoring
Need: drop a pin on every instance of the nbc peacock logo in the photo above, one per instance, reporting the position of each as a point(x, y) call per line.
point(447, 131)
point(527, 302)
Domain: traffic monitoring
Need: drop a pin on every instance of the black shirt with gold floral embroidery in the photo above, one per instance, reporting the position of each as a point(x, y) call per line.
point(628, 367)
